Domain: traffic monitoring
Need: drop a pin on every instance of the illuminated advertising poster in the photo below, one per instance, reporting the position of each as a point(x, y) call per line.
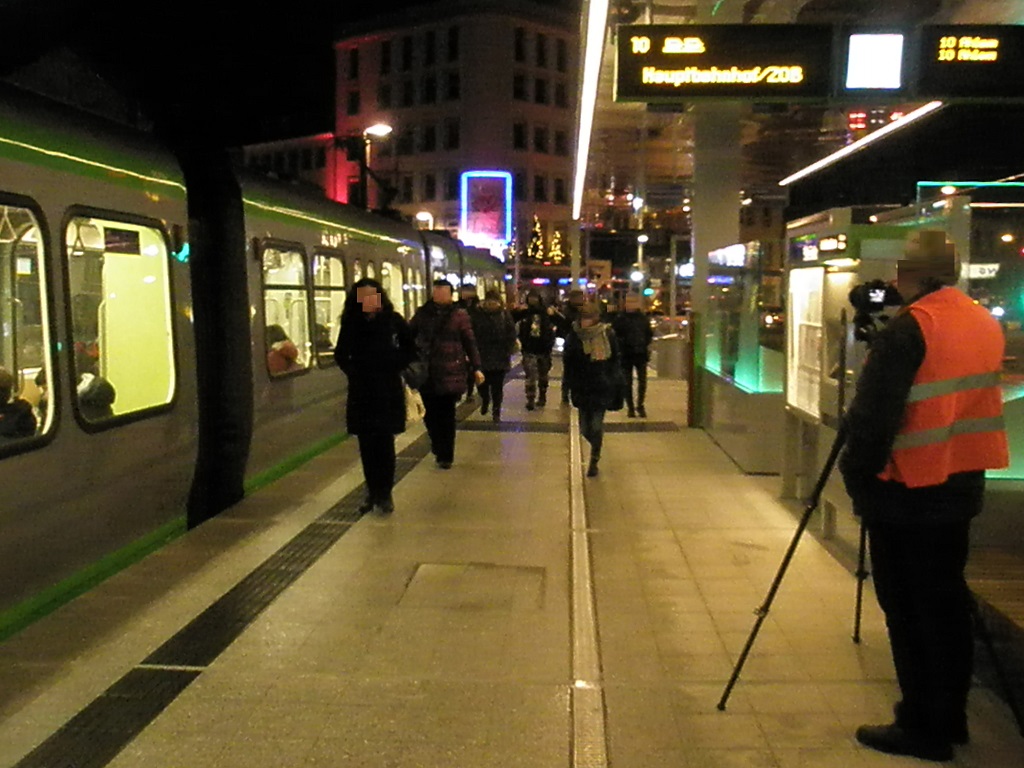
point(874, 61)
point(486, 210)
point(658, 62)
point(971, 61)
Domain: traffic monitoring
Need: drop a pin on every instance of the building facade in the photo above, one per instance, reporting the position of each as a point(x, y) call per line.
point(465, 85)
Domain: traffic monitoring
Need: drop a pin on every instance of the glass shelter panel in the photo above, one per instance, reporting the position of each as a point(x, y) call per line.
point(24, 326)
point(285, 309)
point(328, 302)
point(803, 389)
point(119, 284)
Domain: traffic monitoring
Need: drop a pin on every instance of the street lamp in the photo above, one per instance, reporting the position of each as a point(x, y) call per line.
point(640, 240)
point(427, 218)
point(375, 131)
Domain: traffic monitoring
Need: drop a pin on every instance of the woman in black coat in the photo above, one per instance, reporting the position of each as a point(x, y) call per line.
point(591, 360)
point(374, 346)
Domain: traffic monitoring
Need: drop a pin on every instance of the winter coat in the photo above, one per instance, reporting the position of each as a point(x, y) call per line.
point(495, 335)
point(444, 337)
point(592, 383)
point(537, 330)
point(283, 357)
point(634, 332)
point(17, 419)
point(372, 351)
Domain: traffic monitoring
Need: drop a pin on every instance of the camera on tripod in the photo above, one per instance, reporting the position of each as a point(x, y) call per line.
point(870, 300)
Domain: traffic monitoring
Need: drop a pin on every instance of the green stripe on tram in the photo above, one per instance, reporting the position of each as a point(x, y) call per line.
point(16, 618)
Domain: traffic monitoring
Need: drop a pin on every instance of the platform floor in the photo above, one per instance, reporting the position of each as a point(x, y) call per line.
point(289, 632)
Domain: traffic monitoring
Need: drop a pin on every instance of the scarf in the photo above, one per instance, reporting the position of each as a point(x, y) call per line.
point(595, 340)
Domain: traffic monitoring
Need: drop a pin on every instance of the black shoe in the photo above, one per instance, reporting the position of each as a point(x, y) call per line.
point(893, 740)
point(592, 469)
point(632, 413)
point(444, 464)
point(542, 400)
point(365, 508)
point(496, 417)
point(483, 408)
point(956, 730)
point(641, 412)
point(529, 405)
point(387, 506)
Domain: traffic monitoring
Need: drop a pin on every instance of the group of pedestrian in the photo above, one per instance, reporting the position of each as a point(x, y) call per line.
point(469, 343)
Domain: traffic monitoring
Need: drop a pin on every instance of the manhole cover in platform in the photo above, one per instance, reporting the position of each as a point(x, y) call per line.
point(475, 587)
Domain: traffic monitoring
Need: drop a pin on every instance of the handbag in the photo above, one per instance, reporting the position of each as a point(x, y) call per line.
point(618, 377)
point(414, 408)
point(415, 374)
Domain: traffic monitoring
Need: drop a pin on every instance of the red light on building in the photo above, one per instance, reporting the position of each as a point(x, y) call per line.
point(857, 121)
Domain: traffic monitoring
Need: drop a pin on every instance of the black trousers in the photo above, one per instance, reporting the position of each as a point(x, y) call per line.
point(492, 391)
point(440, 423)
point(592, 429)
point(640, 365)
point(919, 580)
point(377, 453)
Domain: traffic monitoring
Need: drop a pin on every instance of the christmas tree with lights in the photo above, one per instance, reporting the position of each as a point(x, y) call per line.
point(556, 254)
point(535, 248)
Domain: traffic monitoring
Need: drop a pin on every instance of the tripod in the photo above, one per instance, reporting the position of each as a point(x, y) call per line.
point(762, 611)
point(861, 574)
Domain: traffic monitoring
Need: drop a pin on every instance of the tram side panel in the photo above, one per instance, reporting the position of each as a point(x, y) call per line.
point(102, 319)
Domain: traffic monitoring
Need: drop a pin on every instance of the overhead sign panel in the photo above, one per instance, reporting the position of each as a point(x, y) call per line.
point(663, 62)
point(971, 61)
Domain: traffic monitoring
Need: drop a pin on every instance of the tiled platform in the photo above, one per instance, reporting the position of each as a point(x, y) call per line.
point(443, 635)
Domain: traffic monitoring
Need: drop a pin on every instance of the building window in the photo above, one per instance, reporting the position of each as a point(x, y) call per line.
point(406, 190)
point(519, 136)
point(430, 48)
point(519, 86)
point(542, 50)
point(519, 186)
point(429, 186)
point(519, 44)
point(353, 63)
point(385, 57)
point(451, 133)
point(452, 86)
point(428, 138)
point(540, 91)
point(540, 189)
point(429, 95)
point(352, 103)
point(561, 55)
point(561, 143)
point(540, 139)
point(453, 44)
point(451, 185)
point(561, 95)
point(406, 142)
point(406, 54)
point(384, 96)
point(408, 93)
point(560, 196)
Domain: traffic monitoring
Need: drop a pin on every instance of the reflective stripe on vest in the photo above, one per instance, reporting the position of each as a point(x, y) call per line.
point(953, 418)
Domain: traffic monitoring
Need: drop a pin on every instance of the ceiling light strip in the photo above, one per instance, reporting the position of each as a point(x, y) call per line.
point(597, 22)
point(835, 157)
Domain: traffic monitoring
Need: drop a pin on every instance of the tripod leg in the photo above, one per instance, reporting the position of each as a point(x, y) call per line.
point(762, 612)
point(1004, 681)
point(862, 575)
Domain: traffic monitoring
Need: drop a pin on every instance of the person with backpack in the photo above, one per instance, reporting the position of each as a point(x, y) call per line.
point(536, 329)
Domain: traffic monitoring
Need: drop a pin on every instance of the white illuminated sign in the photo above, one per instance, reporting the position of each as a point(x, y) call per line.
point(730, 256)
point(982, 271)
point(875, 62)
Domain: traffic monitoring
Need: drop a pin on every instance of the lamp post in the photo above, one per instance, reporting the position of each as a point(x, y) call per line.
point(640, 240)
point(426, 217)
point(376, 131)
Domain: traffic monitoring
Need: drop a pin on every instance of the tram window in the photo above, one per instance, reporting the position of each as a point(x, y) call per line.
point(371, 270)
point(285, 309)
point(119, 285)
point(328, 302)
point(391, 279)
point(357, 271)
point(24, 327)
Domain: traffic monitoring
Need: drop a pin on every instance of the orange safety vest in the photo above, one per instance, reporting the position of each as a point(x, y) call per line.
point(953, 421)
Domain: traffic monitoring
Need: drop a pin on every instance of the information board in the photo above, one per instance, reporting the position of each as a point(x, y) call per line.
point(665, 62)
point(971, 61)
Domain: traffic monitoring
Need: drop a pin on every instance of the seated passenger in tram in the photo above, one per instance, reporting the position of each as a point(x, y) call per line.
point(96, 397)
point(16, 417)
point(282, 354)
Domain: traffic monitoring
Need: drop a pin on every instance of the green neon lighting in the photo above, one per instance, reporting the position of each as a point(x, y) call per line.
point(970, 183)
point(718, 5)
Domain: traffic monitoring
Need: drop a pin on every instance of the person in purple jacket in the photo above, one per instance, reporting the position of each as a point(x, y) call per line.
point(444, 336)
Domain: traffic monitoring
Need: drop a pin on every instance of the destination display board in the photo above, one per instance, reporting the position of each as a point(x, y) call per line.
point(971, 61)
point(668, 62)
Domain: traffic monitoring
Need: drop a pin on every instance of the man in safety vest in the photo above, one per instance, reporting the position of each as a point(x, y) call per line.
point(925, 424)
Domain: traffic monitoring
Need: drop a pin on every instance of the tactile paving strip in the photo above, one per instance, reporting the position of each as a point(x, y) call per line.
point(94, 736)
